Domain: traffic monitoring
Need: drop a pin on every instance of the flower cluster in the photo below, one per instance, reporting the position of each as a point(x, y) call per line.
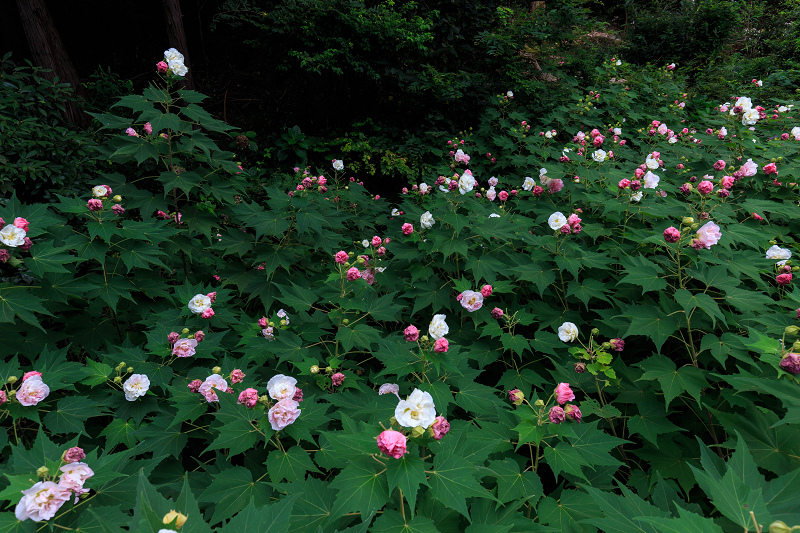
point(280, 320)
point(101, 193)
point(185, 346)
point(418, 413)
point(309, 182)
point(376, 247)
point(173, 62)
point(14, 235)
point(200, 304)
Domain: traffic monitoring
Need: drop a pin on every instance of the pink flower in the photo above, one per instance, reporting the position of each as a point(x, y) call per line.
point(26, 244)
point(574, 220)
point(624, 183)
point(638, 173)
point(441, 345)
point(486, 291)
point(31, 374)
point(248, 398)
point(672, 234)
point(389, 388)
point(3, 397)
point(408, 229)
point(212, 296)
point(497, 312)
point(341, 258)
point(184, 347)
point(708, 235)
point(4, 255)
point(556, 415)
point(208, 313)
point(440, 427)
point(337, 379)
point(41, 502)
point(411, 333)
point(758, 217)
point(173, 337)
point(617, 344)
point(564, 394)
point(749, 168)
point(211, 385)
point(392, 443)
point(2, 223)
point(791, 363)
point(117, 209)
point(94, 204)
point(537, 191)
point(283, 414)
point(516, 396)
point(381, 250)
point(194, 386)
point(719, 165)
point(21, 223)
point(73, 455)
point(784, 279)
point(32, 391)
point(199, 336)
point(554, 186)
point(148, 129)
point(237, 376)
point(771, 168)
point(131, 132)
point(503, 196)
point(298, 394)
point(162, 67)
point(705, 187)
point(262, 322)
point(573, 412)
point(376, 241)
point(353, 274)
point(471, 300)
point(727, 182)
point(74, 475)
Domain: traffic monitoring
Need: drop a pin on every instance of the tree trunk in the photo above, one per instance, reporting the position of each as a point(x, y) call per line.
point(177, 37)
point(48, 52)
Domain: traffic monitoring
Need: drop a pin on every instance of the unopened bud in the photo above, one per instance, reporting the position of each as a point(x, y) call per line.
point(595, 331)
point(779, 526)
point(393, 421)
point(184, 331)
point(175, 516)
point(129, 369)
point(424, 338)
point(283, 322)
point(263, 400)
point(795, 269)
point(216, 370)
point(328, 369)
point(796, 346)
point(117, 380)
point(606, 346)
point(773, 243)
point(539, 403)
point(791, 330)
point(695, 225)
point(688, 221)
point(42, 471)
point(360, 260)
point(271, 324)
point(12, 379)
point(314, 369)
point(417, 431)
point(345, 321)
point(117, 198)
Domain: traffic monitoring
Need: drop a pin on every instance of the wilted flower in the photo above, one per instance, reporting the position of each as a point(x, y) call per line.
point(556, 415)
point(337, 379)
point(248, 398)
point(573, 412)
point(439, 428)
point(237, 376)
point(791, 363)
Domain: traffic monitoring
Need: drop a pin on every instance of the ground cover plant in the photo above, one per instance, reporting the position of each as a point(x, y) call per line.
point(582, 321)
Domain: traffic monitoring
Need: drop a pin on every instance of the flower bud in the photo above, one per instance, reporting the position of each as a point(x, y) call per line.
point(687, 221)
point(184, 331)
point(264, 400)
point(580, 367)
point(216, 370)
point(314, 369)
point(796, 346)
point(118, 380)
point(779, 526)
point(773, 243)
point(539, 403)
point(595, 331)
point(791, 330)
point(393, 421)
point(129, 369)
point(175, 516)
point(328, 369)
point(120, 367)
point(283, 322)
point(117, 198)
point(417, 431)
point(516, 396)
point(360, 260)
point(695, 226)
point(346, 321)
point(12, 379)
point(42, 471)
point(606, 346)
point(424, 338)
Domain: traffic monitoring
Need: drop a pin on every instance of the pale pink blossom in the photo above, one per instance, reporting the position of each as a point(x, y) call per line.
point(184, 347)
point(283, 413)
point(211, 385)
point(41, 502)
point(708, 235)
point(392, 443)
point(564, 394)
point(32, 391)
point(74, 475)
point(390, 388)
point(471, 300)
point(749, 168)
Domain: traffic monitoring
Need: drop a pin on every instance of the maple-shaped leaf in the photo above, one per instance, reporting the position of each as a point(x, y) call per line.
point(673, 380)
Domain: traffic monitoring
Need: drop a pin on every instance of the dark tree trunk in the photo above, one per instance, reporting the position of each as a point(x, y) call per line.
point(177, 37)
point(48, 52)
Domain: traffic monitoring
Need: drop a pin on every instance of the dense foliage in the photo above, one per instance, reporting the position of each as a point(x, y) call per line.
point(574, 322)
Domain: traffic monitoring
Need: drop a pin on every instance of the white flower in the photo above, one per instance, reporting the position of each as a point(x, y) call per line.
point(281, 313)
point(99, 191)
point(395, 212)
point(548, 134)
point(281, 387)
point(12, 236)
point(438, 328)
point(599, 156)
point(135, 386)
point(466, 182)
point(542, 171)
point(651, 180)
point(426, 220)
point(776, 252)
point(528, 183)
point(749, 117)
point(338, 164)
point(619, 62)
point(510, 94)
point(177, 68)
point(491, 194)
point(617, 131)
point(651, 163)
point(636, 196)
point(673, 140)
point(796, 131)
point(759, 83)
point(417, 410)
point(568, 332)
point(745, 102)
point(423, 187)
point(723, 131)
point(494, 215)
point(173, 55)
point(783, 109)
point(199, 303)
point(365, 243)
point(444, 189)
point(556, 220)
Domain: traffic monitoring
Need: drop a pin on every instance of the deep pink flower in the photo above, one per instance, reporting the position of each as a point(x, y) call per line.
point(497, 312)
point(353, 274)
point(503, 195)
point(705, 187)
point(554, 186)
point(727, 182)
point(208, 313)
point(3, 397)
point(440, 427)
point(573, 412)
point(408, 229)
point(537, 191)
point(21, 223)
point(341, 258)
point(758, 217)
point(2, 223)
point(262, 322)
point(791, 363)
point(564, 394)
point(73, 455)
point(148, 129)
point(212, 296)
point(199, 336)
point(411, 334)
point(771, 168)
point(617, 344)
point(4, 255)
point(556, 415)
point(719, 165)
point(784, 279)
point(173, 337)
point(672, 234)
point(337, 379)
point(94, 204)
point(298, 394)
point(117, 209)
point(516, 396)
point(486, 291)
point(441, 345)
point(162, 67)
point(248, 398)
point(31, 374)
point(624, 183)
point(376, 241)
point(194, 385)
point(392, 443)
point(381, 250)
point(636, 185)
point(638, 173)
point(237, 376)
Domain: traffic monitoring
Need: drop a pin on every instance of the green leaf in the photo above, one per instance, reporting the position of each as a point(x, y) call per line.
point(748, 301)
point(513, 485)
point(362, 488)
point(687, 522)
point(47, 258)
point(621, 511)
point(273, 518)
point(231, 491)
point(360, 335)
point(392, 522)
point(70, 415)
point(674, 381)
point(647, 277)
point(313, 508)
point(297, 297)
point(119, 431)
point(452, 481)
point(237, 425)
point(290, 465)
point(140, 254)
point(572, 509)
point(705, 302)
point(160, 437)
point(651, 422)
point(18, 483)
point(564, 458)
point(136, 147)
point(407, 473)
point(651, 322)
point(21, 303)
point(541, 276)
